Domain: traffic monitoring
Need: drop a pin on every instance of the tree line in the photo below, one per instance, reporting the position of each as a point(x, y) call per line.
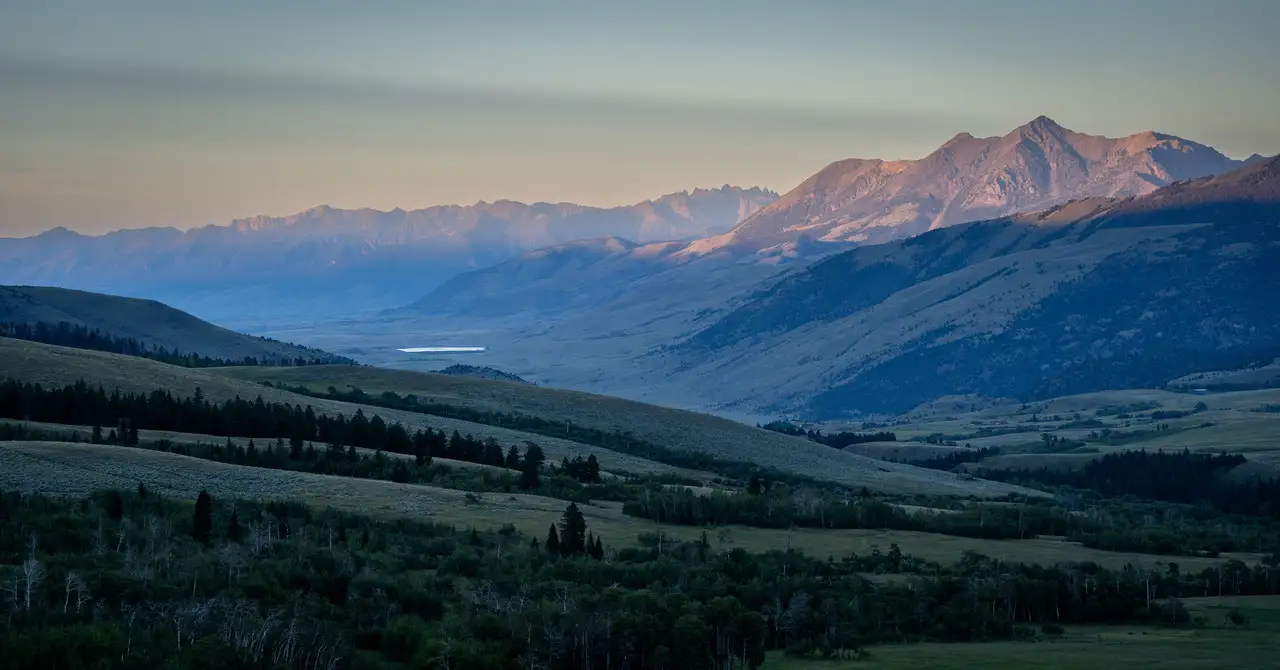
point(126, 413)
point(614, 440)
point(79, 336)
point(1178, 477)
point(836, 440)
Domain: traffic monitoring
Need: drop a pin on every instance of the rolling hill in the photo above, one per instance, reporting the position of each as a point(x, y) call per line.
point(147, 321)
point(49, 365)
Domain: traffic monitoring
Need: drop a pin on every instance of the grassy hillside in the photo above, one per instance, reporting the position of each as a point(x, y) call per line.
point(49, 365)
point(75, 469)
point(1245, 422)
point(672, 428)
point(148, 321)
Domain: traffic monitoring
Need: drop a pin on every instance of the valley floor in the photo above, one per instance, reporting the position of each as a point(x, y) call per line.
point(1218, 645)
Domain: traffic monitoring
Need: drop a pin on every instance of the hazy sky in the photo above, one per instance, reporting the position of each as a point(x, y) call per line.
point(127, 113)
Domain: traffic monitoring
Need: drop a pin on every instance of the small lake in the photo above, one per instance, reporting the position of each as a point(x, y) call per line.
point(444, 350)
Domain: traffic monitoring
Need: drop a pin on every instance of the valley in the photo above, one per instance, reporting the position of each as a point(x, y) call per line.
point(1005, 400)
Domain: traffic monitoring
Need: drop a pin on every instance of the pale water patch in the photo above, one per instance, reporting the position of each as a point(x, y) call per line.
point(444, 350)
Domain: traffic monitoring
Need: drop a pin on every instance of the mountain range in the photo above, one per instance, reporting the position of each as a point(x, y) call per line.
point(859, 202)
point(1098, 293)
point(337, 261)
point(818, 305)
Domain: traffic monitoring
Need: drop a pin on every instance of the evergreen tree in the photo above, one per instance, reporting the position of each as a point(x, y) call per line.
point(597, 551)
point(115, 505)
point(97, 434)
point(754, 487)
point(295, 447)
point(573, 531)
point(202, 521)
point(553, 541)
point(364, 538)
point(234, 531)
point(591, 472)
point(533, 458)
point(142, 490)
point(512, 461)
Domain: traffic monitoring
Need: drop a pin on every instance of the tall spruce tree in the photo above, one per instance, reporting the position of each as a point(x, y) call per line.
point(573, 531)
point(234, 531)
point(202, 520)
point(553, 541)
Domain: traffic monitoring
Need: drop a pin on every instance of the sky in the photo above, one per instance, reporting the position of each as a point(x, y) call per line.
point(135, 113)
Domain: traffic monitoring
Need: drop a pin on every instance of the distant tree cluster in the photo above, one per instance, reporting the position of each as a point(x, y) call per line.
point(1179, 477)
point(950, 460)
point(836, 440)
point(65, 334)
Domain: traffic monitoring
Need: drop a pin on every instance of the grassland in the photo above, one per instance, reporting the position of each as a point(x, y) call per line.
point(75, 469)
point(1215, 646)
point(686, 430)
point(50, 365)
point(144, 320)
point(1229, 422)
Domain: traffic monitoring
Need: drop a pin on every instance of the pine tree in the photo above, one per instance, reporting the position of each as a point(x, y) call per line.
point(97, 434)
point(591, 471)
point(754, 487)
point(533, 458)
point(234, 532)
point(115, 506)
point(529, 475)
point(573, 531)
point(597, 551)
point(202, 521)
point(142, 490)
point(553, 541)
point(364, 538)
point(512, 461)
point(295, 447)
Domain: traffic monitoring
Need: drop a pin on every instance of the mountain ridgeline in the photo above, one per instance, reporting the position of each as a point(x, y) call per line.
point(850, 202)
point(328, 260)
point(1090, 295)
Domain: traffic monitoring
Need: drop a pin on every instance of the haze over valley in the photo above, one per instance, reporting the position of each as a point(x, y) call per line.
point(954, 341)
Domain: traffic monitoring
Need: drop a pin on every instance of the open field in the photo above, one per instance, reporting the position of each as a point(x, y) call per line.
point(64, 468)
point(722, 438)
point(1215, 646)
point(1231, 422)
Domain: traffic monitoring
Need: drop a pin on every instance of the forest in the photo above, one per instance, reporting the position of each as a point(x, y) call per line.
point(130, 579)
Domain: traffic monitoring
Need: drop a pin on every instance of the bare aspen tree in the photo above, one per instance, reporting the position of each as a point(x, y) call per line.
point(71, 584)
point(32, 576)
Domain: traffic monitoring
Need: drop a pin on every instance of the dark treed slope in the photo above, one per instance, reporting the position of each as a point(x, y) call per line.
point(1086, 296)
point(150, 323)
